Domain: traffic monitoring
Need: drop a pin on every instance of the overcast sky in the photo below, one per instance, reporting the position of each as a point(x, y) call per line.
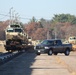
point(37, 8)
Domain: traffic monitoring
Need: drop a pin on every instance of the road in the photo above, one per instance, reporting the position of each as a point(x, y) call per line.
point(31, 64)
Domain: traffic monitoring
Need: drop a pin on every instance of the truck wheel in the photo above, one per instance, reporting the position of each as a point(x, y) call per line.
point(67, 52)
point(10, 51)
point(18, 50)
point(38, 53)
point(50, 52)
point(55, 53)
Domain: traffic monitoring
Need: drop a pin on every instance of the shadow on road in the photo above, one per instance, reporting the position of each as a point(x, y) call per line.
point(30, 57)
point(21, 65)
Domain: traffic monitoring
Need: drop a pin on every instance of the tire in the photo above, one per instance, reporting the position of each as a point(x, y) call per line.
point(38, 53)
point(18, 50)
point(67, 52)
point(50, 52)
point(10, 51)
point(55, 53)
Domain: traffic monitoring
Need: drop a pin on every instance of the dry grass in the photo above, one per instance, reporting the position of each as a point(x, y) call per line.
point(2, 49)
point(74, 47)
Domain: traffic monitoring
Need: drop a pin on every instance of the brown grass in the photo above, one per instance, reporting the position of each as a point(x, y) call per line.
point(2, 49)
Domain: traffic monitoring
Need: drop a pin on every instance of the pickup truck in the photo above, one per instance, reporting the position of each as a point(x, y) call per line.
point(53, 46)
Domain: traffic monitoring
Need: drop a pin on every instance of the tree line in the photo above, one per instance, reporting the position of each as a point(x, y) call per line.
point(61, 26)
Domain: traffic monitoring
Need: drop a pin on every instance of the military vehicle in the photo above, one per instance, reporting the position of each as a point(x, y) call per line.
point(72, 40)
point(16, 38)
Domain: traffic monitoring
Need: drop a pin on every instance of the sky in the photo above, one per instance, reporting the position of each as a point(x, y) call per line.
point(38, 8)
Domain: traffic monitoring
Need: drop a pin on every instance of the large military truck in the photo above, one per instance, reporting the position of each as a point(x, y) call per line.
point(72, 40)
point(16, 38)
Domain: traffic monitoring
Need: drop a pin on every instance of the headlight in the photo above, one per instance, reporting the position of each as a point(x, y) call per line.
point(46, 47)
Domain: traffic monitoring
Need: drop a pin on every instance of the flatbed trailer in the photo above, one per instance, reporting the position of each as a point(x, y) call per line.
point(11, 48)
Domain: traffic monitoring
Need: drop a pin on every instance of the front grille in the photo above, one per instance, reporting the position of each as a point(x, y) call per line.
point(39, 47)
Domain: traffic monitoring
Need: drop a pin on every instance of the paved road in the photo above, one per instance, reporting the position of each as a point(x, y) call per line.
point(30, 64)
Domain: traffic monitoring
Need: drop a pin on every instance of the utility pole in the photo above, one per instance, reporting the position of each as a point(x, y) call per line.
point(13, 16)
point(16, 17)
point(10, 13)
point(47, 34)
point(55, 32)
point(48, 37)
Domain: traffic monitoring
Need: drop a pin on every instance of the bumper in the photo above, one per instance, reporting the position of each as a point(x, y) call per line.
point(41, 51)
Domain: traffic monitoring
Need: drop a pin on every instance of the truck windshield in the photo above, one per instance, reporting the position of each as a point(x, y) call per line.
point(10, 30)
point(18, 30)
point(15, 26)
point(72, 38)
point(47, 42)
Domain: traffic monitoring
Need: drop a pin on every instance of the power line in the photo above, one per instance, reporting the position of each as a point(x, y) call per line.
point(16, 17)
point(3, 16)
point(12, 16)
point(19, 17)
